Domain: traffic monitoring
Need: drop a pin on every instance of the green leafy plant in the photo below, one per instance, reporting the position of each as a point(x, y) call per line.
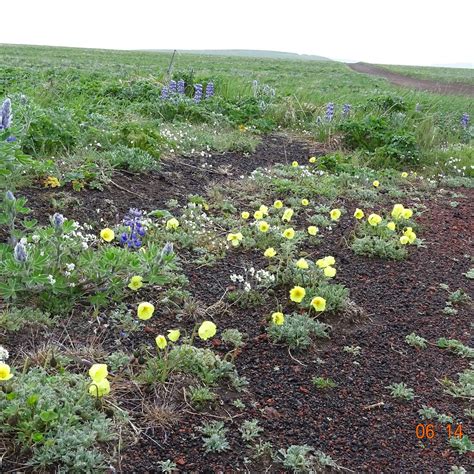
point(400, 390)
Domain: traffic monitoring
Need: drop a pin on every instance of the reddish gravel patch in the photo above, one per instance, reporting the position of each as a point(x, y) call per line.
point(412, 82)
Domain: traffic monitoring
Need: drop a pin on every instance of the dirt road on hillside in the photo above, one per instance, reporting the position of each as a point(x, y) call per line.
point(414, 83)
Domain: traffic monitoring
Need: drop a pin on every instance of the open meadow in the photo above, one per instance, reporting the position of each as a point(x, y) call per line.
point(232, 264)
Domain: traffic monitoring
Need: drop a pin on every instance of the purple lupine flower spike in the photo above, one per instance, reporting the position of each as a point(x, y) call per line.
point(465, 120)
point(346, 110)
point(173, 88)
point(11, 139)
point(164, 93)
point(6, 114)
point(136, 231)
point(209, 90)
point(19, 253)
point(197, 93)
point(57, 220)
point(181, 87)
point(329, 111)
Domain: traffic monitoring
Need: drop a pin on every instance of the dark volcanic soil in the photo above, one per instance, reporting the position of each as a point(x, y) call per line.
point(358, 422)
point(413, 82)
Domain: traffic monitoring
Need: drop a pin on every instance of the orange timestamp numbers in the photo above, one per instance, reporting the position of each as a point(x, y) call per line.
point(428, 431)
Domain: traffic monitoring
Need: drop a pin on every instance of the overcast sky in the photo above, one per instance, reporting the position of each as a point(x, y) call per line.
point(422, 32)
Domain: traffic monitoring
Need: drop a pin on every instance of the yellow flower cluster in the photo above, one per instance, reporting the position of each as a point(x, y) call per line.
point(100, 386)
point(173, 336)
point(408, 236)
point(297, 294)
point(400, 212)
point(326, 264)
point(51, 182)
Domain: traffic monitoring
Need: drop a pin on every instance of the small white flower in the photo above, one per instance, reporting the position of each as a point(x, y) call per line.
point(23, 240)
point(3, 354)
point(70, 266)
point(35, 238)
point(51, 279)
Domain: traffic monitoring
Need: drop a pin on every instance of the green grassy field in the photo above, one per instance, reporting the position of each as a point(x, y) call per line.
point(443, 74)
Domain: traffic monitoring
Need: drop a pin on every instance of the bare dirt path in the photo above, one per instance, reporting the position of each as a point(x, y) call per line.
point(414, 83)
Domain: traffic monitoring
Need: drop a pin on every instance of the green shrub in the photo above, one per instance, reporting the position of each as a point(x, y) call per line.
point(297, 331)
point(55, 422)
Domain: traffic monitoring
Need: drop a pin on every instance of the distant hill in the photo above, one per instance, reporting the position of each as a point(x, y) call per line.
point(247, 53)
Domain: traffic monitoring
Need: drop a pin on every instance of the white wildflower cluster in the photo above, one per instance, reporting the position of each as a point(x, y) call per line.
point(4, 355)
point(69, 269)
point(261, 279)
point(81, 234)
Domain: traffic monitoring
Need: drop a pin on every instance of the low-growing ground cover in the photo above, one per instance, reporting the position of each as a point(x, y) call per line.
point(301, 304)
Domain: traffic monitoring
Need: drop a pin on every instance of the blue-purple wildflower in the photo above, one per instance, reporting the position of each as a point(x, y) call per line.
point(173, 87)
point(57, 220)
point(346, 110)
point(181, 86)
point(19, 253)
point(133, 237)
point(209, 90)
point(465, 120)
point(11, 139)
point(330, 111)
point(167, 250)
point(6, 114)
point(164, 93)
point(10, 196)
point(197, 93)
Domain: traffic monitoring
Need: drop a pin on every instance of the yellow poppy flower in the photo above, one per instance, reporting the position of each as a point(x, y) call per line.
point(136, 282)
point(264, 210)
point(407, 213)
point(270, 252)
point(245, 215)
point(278, 318)
point(107, 234)
point(404, 240)
point(161, 341)
point(5, 371)
point(335, 214)
point(289, 233)
point(297, 294)
point(99, 388)
point(330, 272)
point(263, 226)
point(359, 214)
point(174, 335)
point(374, 219)
point(312, 159)
point(312, 230)
point(278, 204)
point(207, 330)
point(172, 224)
point(397, 211)
point(235, 239)
point(318, 303)
point(258, 215)
point(304, 202)
point(391, 225)
point(294, 164)
point(98, 372)
point(376, 184)
point(326, 261)
point(302, 264)
point(404, 174)
point(145, 311)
